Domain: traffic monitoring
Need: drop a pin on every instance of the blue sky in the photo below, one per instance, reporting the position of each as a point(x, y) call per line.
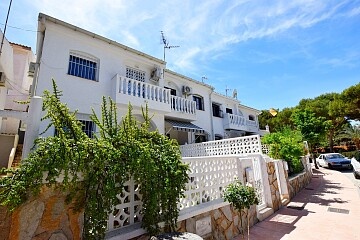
point(274, 53)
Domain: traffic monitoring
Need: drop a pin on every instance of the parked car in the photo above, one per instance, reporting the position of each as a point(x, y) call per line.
point(333, 160)
point(356, 168)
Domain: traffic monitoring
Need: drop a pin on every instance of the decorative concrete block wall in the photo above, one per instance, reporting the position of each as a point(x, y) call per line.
point(44, 217)
point(225, 223)
point(298, 182)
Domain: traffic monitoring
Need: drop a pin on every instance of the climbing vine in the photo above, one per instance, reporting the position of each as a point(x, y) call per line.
point(94, 170)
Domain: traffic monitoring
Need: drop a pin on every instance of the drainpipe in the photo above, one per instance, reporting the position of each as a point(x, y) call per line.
point(38, 59)
point(211, 116)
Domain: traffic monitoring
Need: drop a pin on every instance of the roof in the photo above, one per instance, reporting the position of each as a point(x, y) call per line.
point(21, 46)
point(189, 79)
point(43, 18)
point(184, 126)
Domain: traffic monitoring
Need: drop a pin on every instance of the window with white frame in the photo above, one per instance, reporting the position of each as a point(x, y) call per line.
point(135, 74)
point(81, 65)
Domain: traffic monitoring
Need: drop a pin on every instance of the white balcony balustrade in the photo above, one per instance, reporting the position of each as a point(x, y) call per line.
point(179, 104)
point(144, 90)
point(157, 98)
point(237, 122)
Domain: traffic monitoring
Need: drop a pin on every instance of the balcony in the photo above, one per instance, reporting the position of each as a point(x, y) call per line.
point(182, 108)
point(158, 98)
point(236, 122)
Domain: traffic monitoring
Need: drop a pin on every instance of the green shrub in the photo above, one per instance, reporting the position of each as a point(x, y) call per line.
point(287, 145)
point(353, 154)
point(241, 197)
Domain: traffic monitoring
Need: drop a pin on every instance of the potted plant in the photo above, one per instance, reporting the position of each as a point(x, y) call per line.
point(241, 197)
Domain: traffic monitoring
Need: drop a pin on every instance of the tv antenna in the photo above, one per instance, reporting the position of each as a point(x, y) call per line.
point(226, 90)
point(203, 78)
point(166, 43)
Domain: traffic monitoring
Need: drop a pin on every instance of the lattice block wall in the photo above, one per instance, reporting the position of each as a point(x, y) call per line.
point(232, 146)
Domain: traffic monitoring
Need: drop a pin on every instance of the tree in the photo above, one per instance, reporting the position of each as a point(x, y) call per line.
point(311, 127)
point(332, 108)
point(352, 132)
point(287, 145)
point(351, 96)
point(94, 170)
point(278, 122)
point(241, 197)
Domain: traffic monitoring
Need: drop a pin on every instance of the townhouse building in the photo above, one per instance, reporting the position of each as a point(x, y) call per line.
point(15, 83)
point(87, 66)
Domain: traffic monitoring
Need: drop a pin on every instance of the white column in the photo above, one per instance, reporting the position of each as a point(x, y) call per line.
point(33, 123)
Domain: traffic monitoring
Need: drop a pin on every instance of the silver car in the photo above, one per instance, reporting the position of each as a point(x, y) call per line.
point(333, 160)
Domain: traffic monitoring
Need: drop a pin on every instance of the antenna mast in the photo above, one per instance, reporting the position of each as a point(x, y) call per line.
point(226, 90)
point(166, 43)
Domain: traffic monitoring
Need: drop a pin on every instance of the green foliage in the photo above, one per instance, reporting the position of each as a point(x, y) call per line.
point(94, 170)
point(353, 154)
point(351, 96)
point(278, 122)
point(353, 133)
point(311, 127)
point(240, 196)
point(287, 145)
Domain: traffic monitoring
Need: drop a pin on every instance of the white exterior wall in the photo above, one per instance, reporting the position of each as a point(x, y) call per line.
point(225, 102)
point(202, 119)
point(83, 94)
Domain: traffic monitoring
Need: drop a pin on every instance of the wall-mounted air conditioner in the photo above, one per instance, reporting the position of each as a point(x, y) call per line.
point(186, 90)
point(31, 71)
point(155, 74)
point(2, 77)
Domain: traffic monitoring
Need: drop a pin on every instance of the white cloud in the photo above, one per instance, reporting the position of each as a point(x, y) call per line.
point(203, 29)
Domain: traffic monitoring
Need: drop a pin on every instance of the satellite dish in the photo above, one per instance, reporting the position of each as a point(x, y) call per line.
point(235, 94)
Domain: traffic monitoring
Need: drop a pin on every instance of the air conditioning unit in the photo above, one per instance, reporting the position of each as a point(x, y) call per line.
point(186, 90)
point(2, 77)
point(31, 71)
point(156, 74)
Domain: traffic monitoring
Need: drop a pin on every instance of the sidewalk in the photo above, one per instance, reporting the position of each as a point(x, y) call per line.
point(328, 208)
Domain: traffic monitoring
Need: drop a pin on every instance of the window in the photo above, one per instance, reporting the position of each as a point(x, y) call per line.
point(200, 138)
point(172, 91)
point(229, 110)
point(251, 117)
point(84, 67)
point(199, 102)
point(88, 127)
point(217, 112)
point(218, 137)
point(135, 74)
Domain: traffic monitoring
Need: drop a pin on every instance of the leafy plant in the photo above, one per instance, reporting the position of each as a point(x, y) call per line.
point(241, 197)
point(286, 145)
point(94, 170)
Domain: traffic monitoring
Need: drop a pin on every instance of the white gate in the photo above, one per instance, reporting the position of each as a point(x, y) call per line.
point(258, 181)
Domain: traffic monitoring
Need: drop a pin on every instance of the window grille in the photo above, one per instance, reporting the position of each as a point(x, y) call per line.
point(88, 127)
point(83, 67)
point(135, 74)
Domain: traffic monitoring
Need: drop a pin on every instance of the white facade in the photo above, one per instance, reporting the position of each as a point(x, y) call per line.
point(14, 89)
point(182, 108)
